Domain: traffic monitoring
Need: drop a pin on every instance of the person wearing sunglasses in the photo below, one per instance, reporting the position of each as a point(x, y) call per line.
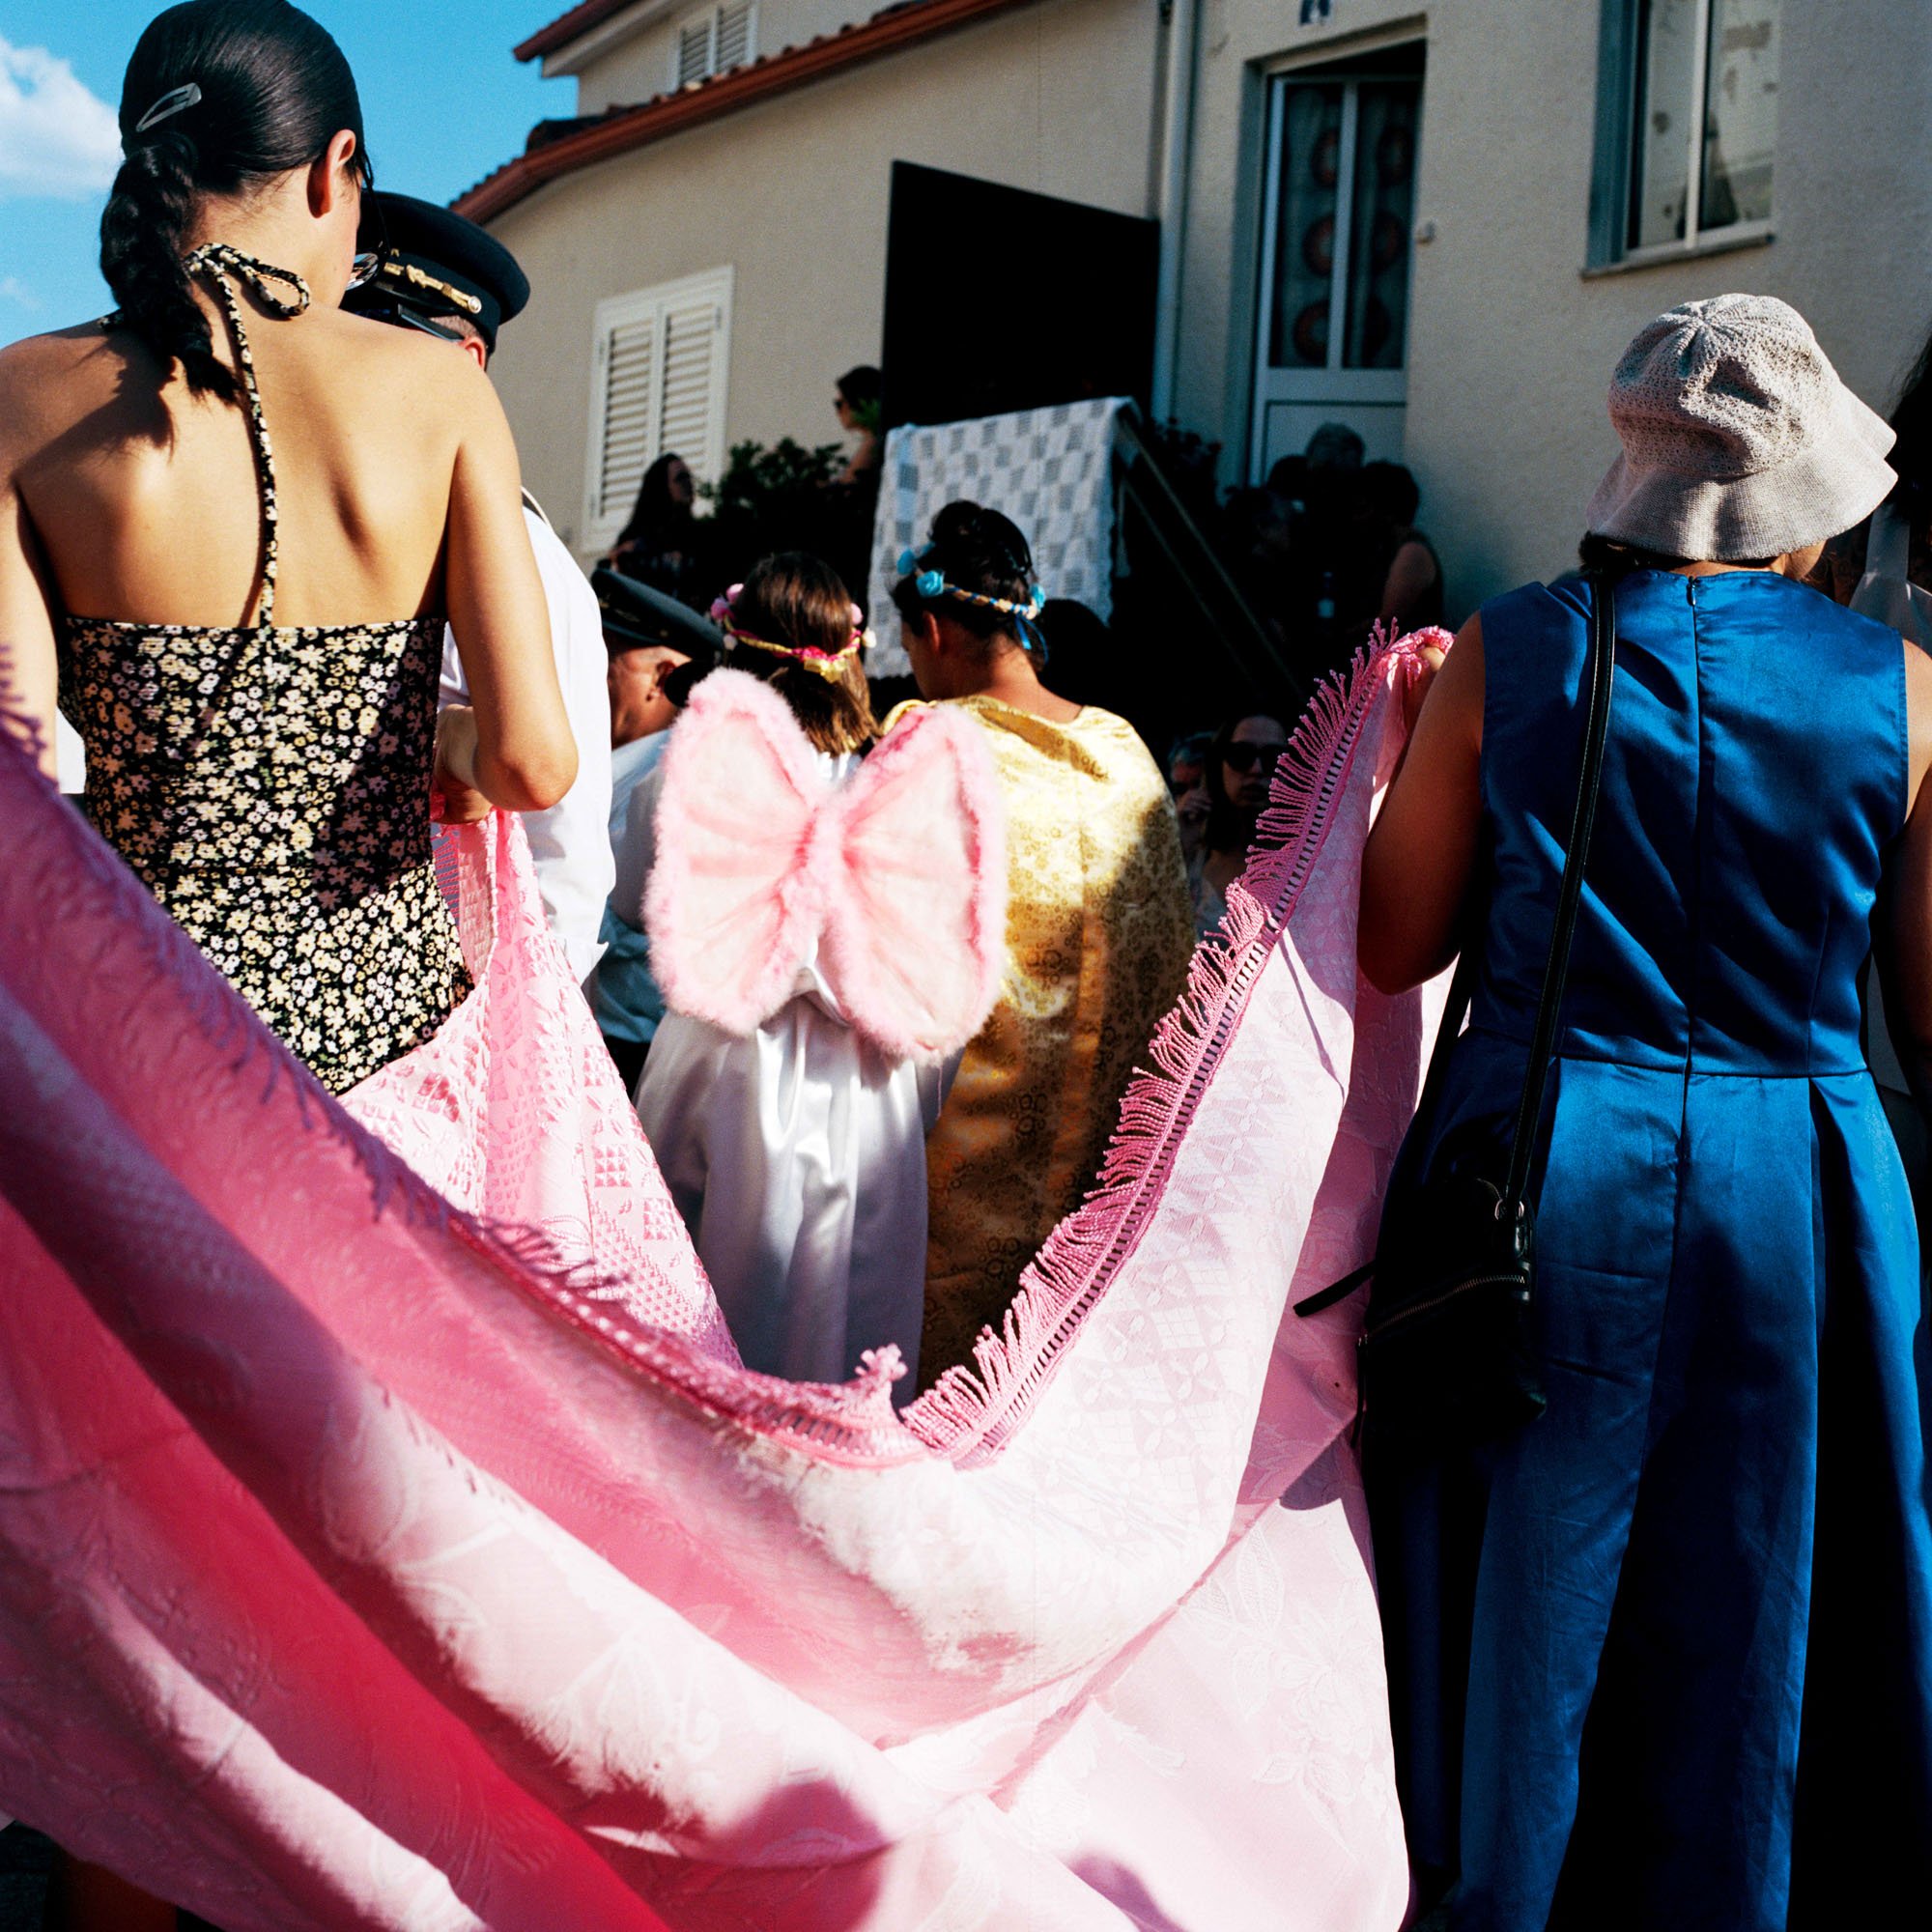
point(425, 267)
point(1219, 816)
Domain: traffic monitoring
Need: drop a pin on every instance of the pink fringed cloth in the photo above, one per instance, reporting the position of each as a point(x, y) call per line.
point(363, 1565)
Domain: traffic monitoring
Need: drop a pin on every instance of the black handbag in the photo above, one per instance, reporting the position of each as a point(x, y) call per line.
point(1447, 1357)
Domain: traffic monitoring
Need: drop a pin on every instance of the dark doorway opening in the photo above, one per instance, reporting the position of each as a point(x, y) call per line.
point(998, 299)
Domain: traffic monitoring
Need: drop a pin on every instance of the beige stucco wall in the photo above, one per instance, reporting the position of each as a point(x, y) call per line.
point(639, 66)
point(1511, 345)
point(793, 194)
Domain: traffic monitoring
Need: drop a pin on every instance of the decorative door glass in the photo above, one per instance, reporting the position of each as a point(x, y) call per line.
point(1309, 198)
point(1379, 223)
point(1346, 168)
point(1332, 342)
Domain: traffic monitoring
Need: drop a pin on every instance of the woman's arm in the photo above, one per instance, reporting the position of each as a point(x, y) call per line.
point(27, 666)
point(1415, 871)
point(1905, 930)
point(1411, 572)
point(524, 758)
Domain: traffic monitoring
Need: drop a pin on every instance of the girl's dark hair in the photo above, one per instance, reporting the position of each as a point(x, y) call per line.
point(654, 514)
point(1614, 561)
point(1227, 828)
point(980, 551)
point(798, 599)
point(274, 92)
point(1912, 455)
point(860, 387)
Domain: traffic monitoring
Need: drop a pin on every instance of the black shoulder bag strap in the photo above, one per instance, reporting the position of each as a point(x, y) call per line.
point(1598, 670)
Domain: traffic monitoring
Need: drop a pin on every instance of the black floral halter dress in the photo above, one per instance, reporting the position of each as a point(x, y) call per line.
point(270, 787)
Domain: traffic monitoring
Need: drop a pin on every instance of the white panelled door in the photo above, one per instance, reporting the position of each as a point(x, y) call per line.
point(1332, 335)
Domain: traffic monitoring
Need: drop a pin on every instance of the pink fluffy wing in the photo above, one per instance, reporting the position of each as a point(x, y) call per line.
point(731, 907)
point(916, 871)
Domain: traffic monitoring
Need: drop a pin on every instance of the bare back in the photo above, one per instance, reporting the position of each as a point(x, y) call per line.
point(145, 500)
point(126, 498)
point(240, 607)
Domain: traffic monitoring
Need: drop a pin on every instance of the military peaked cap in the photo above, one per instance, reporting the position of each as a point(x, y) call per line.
point(635, 614)
point(436, 264)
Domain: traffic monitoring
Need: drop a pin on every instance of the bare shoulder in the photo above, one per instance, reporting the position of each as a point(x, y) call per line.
point(408, 363)
point(57, 349)
point(1917, 684)
point(1459, 686)
point(1918, 718)
point(46, 380)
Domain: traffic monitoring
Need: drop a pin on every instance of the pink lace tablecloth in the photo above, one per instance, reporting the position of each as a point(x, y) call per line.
point(389, 1537)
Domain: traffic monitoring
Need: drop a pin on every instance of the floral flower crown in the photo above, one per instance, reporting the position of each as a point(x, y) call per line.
point(828, 664)
point(931, 584)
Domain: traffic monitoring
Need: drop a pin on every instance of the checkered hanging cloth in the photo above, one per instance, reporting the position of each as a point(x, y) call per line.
point(1051, 471)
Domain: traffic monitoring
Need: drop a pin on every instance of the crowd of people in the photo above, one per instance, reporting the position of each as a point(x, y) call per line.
point(835, 1144)
point(1328, 548)
point(876, 987)
point(668, 546)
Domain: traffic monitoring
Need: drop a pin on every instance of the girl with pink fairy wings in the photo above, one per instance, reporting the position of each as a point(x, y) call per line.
point(828, 928)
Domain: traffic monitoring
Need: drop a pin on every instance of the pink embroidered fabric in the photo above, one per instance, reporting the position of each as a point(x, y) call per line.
point(363, 1567)
point(514, 1114)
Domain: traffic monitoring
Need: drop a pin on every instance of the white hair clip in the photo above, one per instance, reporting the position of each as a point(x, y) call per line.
point(171, 102)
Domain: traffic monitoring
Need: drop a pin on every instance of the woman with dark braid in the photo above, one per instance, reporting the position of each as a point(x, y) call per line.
point(247, 631)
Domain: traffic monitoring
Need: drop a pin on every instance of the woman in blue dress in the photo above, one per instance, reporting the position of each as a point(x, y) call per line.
point(1662, 1659)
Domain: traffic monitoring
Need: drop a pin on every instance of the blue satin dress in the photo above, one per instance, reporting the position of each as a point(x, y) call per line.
point(1663, 1658)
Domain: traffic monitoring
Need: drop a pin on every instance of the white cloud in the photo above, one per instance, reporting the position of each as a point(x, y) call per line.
point(56, 138)
point(14, 290)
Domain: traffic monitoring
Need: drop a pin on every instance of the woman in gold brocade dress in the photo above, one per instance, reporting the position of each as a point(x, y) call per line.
point(1099, 929)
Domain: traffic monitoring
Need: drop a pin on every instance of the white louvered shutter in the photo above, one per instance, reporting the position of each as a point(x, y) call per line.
point(691, 350)
point(693, 50)
point(734, 36)
point(658, 380)
point(628, 415)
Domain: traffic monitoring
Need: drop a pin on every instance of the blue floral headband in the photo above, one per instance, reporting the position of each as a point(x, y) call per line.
point(933, 584)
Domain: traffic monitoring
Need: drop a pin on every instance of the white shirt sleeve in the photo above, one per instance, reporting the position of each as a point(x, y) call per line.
point(637, 851)
point(71, 756)
point(571, 841)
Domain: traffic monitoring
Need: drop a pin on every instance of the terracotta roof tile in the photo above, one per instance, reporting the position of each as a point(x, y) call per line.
point(557, 148)
point(567, 27)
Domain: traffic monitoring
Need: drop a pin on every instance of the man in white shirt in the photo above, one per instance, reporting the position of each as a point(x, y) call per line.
point(449, 278)
point(647, 637)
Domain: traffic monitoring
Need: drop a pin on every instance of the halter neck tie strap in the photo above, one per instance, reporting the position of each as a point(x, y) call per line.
point(222, 264)
point(219, 259)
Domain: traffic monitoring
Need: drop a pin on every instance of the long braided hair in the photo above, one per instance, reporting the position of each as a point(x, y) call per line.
point(220, 97)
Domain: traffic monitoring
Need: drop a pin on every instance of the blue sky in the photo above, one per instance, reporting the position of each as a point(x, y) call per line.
point(444, 102)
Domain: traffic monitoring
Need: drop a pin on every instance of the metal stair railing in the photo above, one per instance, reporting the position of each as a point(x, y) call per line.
point(1198, 569)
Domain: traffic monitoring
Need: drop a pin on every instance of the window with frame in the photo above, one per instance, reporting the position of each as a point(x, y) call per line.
point(714, 41)
point(1688, 130)
point(658, 366)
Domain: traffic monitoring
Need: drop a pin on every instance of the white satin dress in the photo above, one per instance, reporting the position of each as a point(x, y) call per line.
point(796, 1154)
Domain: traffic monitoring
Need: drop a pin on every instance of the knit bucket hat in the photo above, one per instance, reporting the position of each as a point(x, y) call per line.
point(1740, 441)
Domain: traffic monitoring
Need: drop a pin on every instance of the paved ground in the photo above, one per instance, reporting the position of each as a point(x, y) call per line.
point(24, 1858)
